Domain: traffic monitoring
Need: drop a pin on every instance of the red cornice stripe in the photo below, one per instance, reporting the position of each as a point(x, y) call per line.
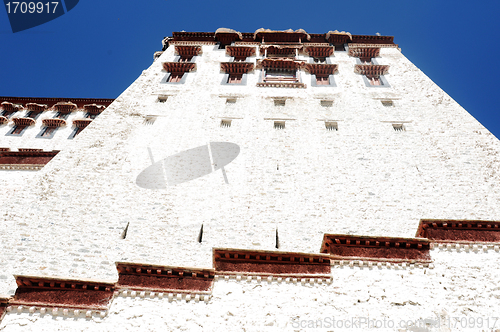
point(164, 278)
point(26, 157)
point(66, 293)
point(270, 262)
point(391, 248)
point(440, 230)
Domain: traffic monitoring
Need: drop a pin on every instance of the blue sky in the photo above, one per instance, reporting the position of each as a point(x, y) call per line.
point(99, 48)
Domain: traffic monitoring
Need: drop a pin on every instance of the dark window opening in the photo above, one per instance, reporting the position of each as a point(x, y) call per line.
point(91, 116)
point(18, 130)
point(175, 77)
point(366, 61)
point(60, 115)
point(8, 114)
point(235, 78)
point(319, 60)
point(185, 58)
point(48, 131)
point(285, 75)
point(33, 114)
point(374, 80)
point(340, 48)
point(322, 80)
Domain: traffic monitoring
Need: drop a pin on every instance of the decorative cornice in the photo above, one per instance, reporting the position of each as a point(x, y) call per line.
point(320, 69)
point(371, 70)
point(36, 107)
point(459, 231)
point(50, 102)
point(338, 38)
point(321, 52)
point(364, 39)
point(286, 36)
point(277, 50)
point(25, 159)
point(62, 293)
point(25, 122)
point(11, 107)
point(22, 167)
point(65, 107)
point(94, 109)
point(270, 263)
point(30, 150)
point(168, 279)
point(191, 43)
point(246, 43)
point(364, 52)
point(190, 36)
point(188, 51)
point(179, 67)
point(82, 123)
point(365, 45)
point(236, 67)
point(282, 85)
point(280, 63)
point(348, 247)
point(240, 51)
point(54, 122)
point(3, 120)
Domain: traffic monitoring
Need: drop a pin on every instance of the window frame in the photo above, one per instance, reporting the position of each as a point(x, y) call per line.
point(42, 132)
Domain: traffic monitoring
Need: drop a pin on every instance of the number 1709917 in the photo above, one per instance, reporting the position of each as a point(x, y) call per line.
point(31, 7)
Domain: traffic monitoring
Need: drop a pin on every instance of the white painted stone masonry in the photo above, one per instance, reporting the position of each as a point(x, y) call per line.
point(364, 179)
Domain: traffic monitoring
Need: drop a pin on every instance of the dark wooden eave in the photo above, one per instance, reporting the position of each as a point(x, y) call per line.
point(281, 63)
point(371, 70)
point(188, 51)
point(236, 67)
point(193, 36)
point(321, 69)
point(240, 51)
point(25, 122)
point(179, 67)
point(319, 51)
point(364, 39)
point(82, 123)
point(54, 122)
point(362, 52)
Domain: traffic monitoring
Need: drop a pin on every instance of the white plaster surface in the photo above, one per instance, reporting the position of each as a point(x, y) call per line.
point(364, 179)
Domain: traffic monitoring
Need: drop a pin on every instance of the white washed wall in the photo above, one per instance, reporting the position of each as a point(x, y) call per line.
point(364, 179)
